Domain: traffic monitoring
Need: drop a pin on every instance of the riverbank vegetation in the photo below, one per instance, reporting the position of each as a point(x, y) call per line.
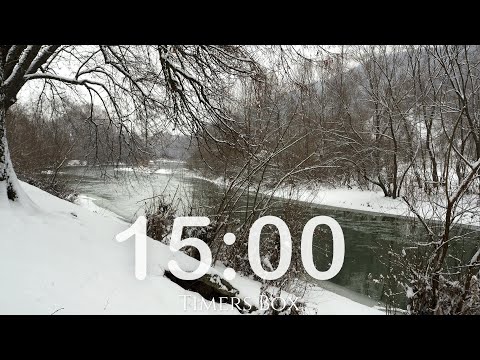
point(401, 119)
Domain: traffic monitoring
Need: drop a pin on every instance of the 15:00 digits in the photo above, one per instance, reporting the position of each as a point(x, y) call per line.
point(138, 229)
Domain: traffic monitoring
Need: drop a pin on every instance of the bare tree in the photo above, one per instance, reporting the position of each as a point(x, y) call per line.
point(444, 109)
point(138, 86)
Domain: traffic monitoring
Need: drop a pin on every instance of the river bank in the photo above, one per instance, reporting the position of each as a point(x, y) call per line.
point(375, 202)
point(375, 226)
point(66, 261)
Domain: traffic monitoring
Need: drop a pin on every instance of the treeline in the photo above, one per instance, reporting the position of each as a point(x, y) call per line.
point(40, 141)
point(384, 117)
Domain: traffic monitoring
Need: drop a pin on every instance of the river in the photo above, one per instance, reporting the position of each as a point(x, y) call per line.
point(368, 236)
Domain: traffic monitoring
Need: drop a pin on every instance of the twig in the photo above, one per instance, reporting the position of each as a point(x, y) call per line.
point(56, 311)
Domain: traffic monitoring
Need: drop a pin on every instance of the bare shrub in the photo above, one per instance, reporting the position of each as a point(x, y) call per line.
point(160, 215)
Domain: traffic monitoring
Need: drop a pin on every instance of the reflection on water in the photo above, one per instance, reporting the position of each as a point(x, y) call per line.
point(368, 236)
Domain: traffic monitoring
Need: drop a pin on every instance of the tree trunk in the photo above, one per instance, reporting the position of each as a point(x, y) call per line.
point(431, 153)
point(6, 187)
point(7, 175)
point(384, 188)
point(10, 189)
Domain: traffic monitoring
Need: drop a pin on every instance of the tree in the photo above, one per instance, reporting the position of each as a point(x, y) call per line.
point(137, 86)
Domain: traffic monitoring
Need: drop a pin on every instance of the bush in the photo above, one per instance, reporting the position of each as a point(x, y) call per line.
point(160, 216)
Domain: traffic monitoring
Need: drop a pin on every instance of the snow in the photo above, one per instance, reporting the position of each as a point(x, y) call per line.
point(21, 198)
point(163, 160)
point(410, 293)
point(145, 170)
point(351, 198)
point(62, 258)
point(76, 163)
point(354, 199)
point(266, 262)
point(164, 171)
point(89, 203)
point(375, 202)
point(323, 302)
point(340, 197)
point(219, 181)
point(475, 257)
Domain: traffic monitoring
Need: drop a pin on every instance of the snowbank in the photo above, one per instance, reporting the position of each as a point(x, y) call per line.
point(61, 258)
point(353, 199)
point(371, 201)
point(164, 171)
point(140, 169)
point(376, 202)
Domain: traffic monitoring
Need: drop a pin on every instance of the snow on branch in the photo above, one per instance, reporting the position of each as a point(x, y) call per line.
point(21, 67)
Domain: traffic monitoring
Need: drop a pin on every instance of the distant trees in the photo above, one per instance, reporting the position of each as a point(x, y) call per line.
point(47, 141)
point(36, 145)
point(376, 114)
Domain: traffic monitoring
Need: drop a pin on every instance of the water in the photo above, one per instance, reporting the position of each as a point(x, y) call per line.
point(368, 236)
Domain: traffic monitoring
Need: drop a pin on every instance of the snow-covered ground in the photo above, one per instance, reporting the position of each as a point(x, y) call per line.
point(61, 258)
point(373, 201)
point(354, 199)
point(341, 197)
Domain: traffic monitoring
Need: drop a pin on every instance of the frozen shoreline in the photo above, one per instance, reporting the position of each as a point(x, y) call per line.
point(354, 199)
point(340, 198)
point(374, 202)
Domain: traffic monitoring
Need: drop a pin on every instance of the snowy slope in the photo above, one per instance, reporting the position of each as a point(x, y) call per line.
point(58, 257)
